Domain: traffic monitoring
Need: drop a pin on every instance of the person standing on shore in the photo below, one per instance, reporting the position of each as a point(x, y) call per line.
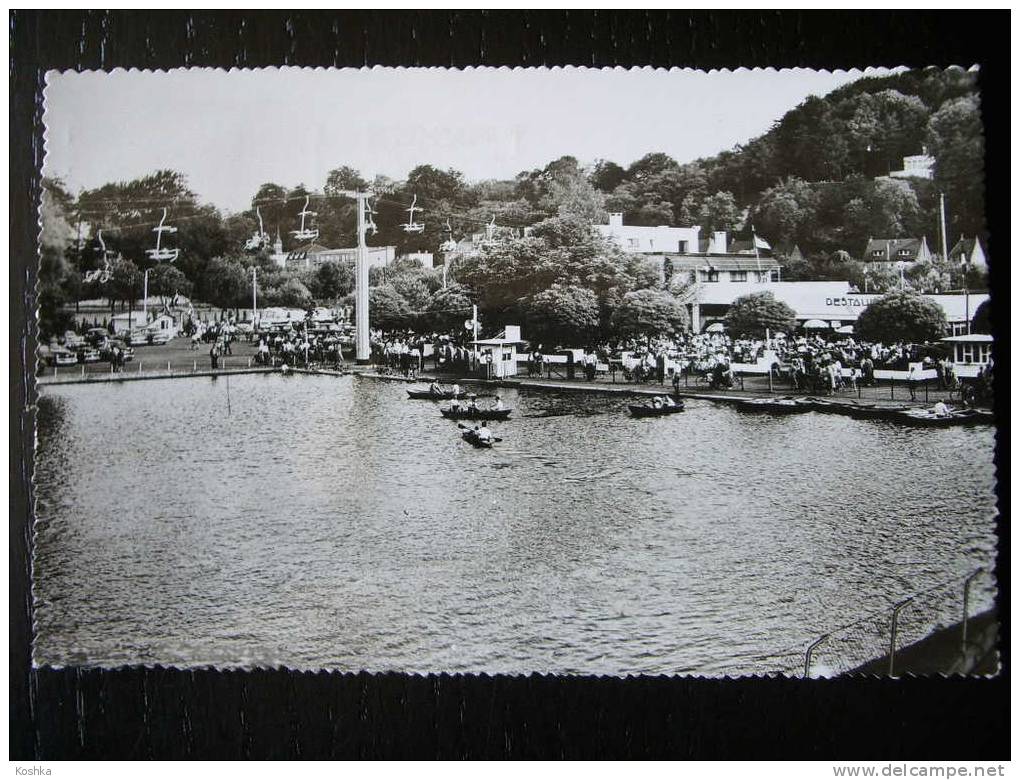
point(214, 356)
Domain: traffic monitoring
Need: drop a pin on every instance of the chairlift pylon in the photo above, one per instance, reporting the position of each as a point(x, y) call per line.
point(303, 233)
point(411, 226)
point(259, 239)
point(160, 253)
point(490, 233)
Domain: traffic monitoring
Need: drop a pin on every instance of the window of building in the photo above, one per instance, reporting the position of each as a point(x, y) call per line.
point(903, 253)
point(738, 276)
point(711, 275)
point(876, 253)
point(681, 247)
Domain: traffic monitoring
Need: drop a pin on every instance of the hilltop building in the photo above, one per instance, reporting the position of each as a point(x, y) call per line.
point(915, 166)
point(313, 255)
point(643, 239)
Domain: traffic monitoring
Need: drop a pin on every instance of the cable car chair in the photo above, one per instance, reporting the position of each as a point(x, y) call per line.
point(490, 234)
point(260, 238)
point(101, 275)
point(303, 233)
point(160, 253)
point(411, 226)
point(449, 245)
point(370, 225)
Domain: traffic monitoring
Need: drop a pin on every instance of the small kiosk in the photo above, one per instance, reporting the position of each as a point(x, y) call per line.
point(497, 357)
point(971, 353)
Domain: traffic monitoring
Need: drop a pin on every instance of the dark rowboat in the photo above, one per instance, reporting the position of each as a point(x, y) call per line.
point(428, 395)
point(874, 412)
point(472, 438)
point(476, 414)
point(651, 411)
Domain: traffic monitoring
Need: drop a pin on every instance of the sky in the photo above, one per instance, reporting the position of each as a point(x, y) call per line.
point(231, 131)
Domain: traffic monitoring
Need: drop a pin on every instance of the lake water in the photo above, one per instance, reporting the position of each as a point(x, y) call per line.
point(331, 523)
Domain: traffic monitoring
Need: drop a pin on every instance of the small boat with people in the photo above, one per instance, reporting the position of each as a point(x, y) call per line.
point(479, 436)
point(437, 392)
point(660, 406)
point(938, 418)
point(774, 405)
point(472, 411)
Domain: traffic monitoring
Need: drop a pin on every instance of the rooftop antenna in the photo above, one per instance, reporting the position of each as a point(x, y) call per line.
point(160, 253)
point(303, 233)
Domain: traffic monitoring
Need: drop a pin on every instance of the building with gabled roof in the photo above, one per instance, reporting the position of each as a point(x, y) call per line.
point(968, 251)
point(897, 250)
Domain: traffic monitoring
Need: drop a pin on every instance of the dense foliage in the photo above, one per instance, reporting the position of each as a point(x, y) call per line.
point(752, 315)
point(903, 315)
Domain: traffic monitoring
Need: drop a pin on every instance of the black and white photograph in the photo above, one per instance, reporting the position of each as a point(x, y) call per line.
point(567, 371)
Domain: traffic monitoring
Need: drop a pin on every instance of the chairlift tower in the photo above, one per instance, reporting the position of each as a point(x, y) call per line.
point(362, 348)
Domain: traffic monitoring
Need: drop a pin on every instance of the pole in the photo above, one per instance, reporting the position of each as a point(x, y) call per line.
point(942, 227)
point(145, 296)
point(254, 298)
point(362, 355)
point(474, 327)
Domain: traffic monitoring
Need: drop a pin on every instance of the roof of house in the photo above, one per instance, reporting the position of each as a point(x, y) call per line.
point(964, 246)
point(894, 245)
point(727, 262)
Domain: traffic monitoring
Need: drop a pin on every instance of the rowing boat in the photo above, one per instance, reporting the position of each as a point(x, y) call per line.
point(654, 411)
point(773, 405)
point(929, 419)
point(475, 414)
point(471, 437)
point(429, 395)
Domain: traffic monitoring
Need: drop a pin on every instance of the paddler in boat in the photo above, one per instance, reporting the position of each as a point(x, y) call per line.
point(940, 409)
point(435, 388)
point(472, 404)
point(656, 403)
point(455, 390)
point(668, 402)
point(483, 433)
point(498, 405)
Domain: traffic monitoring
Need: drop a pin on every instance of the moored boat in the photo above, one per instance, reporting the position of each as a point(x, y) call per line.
point(654, 411)
point(476, 414)
point(773, 405)
point(928, 419)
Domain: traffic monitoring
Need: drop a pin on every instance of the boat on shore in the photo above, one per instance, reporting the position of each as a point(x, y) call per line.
point(476, 414)
point(654, 411)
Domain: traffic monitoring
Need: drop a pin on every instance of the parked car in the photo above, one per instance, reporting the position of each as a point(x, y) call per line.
point(159, 337)
point(139, 338)
point(72, 340)
point(57, 356)
point(106, 353)
point(88, 354)
point(96, 337)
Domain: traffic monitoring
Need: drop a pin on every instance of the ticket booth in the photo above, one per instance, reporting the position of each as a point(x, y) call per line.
point(497, 357)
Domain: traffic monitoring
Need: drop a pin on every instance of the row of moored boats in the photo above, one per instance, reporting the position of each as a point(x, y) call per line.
point(939, 416)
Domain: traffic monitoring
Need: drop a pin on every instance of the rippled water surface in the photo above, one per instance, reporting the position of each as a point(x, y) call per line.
point(330, 522)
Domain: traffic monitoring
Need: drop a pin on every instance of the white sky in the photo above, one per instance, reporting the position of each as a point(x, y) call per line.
point(231, 131)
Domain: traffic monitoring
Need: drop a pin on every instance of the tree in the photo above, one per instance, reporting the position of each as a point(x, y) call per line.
point(448, 308)
point(293, 293)
point(224, 283)
point(902, 315)
point(719, 212)
point(649, 313)
point(563, 315)
point(928, 277)
point(387, 309)
point(607, 175)
point(343, 178)
point(787, 212)
point(751, 315)
point(333, 280)
point(167, 281)
point(982, 320)
point(956, 141)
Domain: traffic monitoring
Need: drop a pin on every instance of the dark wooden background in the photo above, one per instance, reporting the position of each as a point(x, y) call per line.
point(166, 713)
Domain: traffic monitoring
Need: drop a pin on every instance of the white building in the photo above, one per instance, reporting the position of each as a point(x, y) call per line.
point(313, 255)
point(832, 302)
point(916, 166)
point(425, 258)
point(650, 240)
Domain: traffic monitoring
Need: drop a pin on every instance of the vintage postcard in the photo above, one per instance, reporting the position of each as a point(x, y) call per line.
point(568, 371)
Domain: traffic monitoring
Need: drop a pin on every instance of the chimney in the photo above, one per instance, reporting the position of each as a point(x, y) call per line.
point(616, 219)
point(719, 242)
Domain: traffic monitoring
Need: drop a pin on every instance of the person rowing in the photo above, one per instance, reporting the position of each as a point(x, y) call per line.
point(472, 404)
point(436, 389)
point(455, 390)
point(667, 401)
point(940, 409)
point(498, 406)
point(483, 433)
point(656, 403)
